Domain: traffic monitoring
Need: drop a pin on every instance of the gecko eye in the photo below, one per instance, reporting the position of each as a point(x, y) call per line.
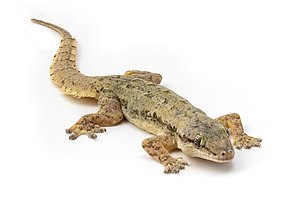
point(199, 141)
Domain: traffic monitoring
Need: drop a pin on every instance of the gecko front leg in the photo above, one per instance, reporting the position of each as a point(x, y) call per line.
point(149, 76)
point(109, 114)
point(240, 138)
point(158, 147)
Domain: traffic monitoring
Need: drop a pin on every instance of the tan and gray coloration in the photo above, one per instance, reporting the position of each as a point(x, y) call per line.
point(138, 97)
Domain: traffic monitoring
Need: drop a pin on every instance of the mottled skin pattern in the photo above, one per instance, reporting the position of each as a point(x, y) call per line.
point(138, 97)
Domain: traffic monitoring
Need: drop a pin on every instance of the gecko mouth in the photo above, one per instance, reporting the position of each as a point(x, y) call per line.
point(205, 153)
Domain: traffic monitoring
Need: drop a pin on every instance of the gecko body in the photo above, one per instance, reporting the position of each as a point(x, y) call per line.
point(138, 97)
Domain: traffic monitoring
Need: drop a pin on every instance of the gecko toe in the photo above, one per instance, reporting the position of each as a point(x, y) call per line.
point(247, 142)
point(98, 129)
point(91, 135)
point(73, 136)
point(174, 165)
point(84, 129)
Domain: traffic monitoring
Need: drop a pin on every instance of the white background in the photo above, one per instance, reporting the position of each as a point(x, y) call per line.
point(223, 56)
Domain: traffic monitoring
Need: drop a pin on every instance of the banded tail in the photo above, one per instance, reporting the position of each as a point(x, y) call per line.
point(63, 70)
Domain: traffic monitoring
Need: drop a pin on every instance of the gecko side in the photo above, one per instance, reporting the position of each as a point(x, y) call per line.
point(138, 97)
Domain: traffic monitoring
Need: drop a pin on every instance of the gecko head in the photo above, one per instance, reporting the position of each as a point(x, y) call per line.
point(209, 140)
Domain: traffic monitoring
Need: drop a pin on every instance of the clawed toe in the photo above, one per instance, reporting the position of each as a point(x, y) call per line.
point(98, 129)
point(247, 142)
point(73, 136)
point(174, 165)
point(90, 130)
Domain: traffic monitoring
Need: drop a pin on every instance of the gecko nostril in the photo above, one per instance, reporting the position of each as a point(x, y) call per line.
point(226, 155)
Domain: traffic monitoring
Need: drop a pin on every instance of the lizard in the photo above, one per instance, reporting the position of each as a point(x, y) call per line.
point(138, 96)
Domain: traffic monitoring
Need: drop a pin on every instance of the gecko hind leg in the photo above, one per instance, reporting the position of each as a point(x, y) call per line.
point(109, 114)
point(158, 147)
point(240, 138)
point(149, 76)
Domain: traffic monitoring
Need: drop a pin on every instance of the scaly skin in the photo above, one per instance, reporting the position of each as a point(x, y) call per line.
point(139, 98)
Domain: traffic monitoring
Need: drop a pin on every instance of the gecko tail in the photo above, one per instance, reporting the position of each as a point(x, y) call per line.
point(64, 33)
point(64, 72)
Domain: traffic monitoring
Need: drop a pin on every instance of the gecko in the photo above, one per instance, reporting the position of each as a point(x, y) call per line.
point(138, 97)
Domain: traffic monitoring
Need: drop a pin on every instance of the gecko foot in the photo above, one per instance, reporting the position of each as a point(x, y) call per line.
point(174, 165)
point(88, 129)
point(247, 142)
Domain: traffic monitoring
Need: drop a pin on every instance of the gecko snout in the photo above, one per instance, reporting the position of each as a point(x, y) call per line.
point(226, 155)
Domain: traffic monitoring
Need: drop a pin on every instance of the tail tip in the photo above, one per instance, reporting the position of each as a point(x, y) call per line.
point(35, 20)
